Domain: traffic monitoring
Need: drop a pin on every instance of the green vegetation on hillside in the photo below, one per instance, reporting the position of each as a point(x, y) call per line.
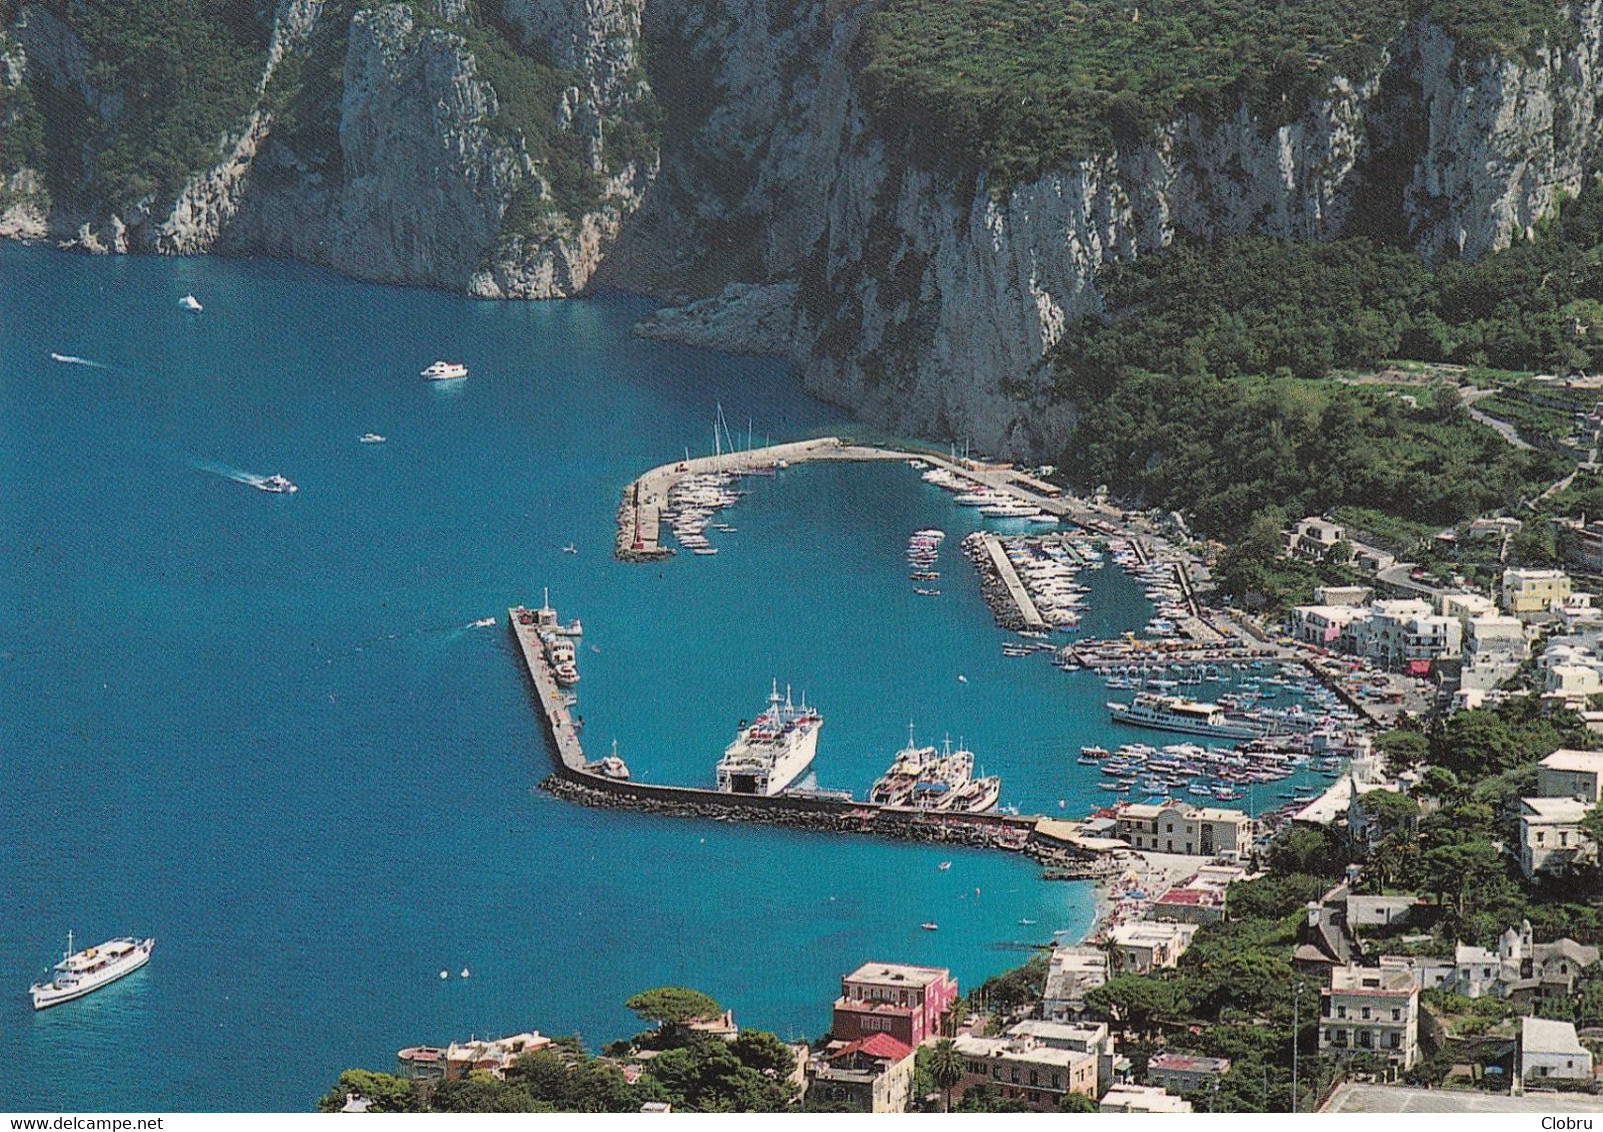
point(1225, 451)
point(691, 1071)
point(177, 76)
point(1254, 305)
point(1017, 87)
point(1206, 387)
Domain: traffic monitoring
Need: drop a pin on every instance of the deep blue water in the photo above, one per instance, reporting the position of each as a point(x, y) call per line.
point(255, 727)
point(258, 727)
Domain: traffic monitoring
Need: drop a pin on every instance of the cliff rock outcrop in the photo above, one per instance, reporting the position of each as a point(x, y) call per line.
point(509, 149)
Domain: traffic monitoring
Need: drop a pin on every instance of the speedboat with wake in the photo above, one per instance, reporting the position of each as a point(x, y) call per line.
point(278, 484)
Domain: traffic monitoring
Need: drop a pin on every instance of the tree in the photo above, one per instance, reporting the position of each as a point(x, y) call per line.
point(1315, 852)
point(1077, 1102)
point(383, 1092)
point(1591, 826)
point(673, 1009)
point(946, 1067)
point(1138, 1002)
point(1404, 750)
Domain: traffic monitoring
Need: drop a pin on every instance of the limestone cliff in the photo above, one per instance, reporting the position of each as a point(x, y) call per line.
point(411, 167)
point(927, 306)
point(509, 148)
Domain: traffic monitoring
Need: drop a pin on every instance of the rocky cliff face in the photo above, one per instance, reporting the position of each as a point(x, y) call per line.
point(928, 306)
point(780, 213)
point(409, 171)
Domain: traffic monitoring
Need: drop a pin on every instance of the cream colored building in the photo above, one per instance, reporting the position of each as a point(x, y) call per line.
point(1534, 591)
point(1370, 1010)
point(1178, 827)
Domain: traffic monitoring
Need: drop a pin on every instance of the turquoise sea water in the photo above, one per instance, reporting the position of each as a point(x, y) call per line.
point(259, 728)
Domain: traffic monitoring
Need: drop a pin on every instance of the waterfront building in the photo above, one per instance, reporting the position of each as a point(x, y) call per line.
point(1527, 592)
point(1182, 1073)
point(1141, 1098)
point(1571, 774)
point(1321, 625)
point(1551, 1051)
point(1021, 1067)
point(1146, 945)
point(1070, 974)
point(898, 999)
point(1179, 827)
point(1370, 1010)
point(872, 1074)
point(1082, 1037)
point(1404, 633)
point(434, 1063)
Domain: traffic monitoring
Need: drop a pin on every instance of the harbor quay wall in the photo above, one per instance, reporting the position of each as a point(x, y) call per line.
point(572, 781)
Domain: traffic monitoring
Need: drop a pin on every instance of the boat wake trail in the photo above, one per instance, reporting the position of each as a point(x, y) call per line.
point(74, 360)
point(212, 468)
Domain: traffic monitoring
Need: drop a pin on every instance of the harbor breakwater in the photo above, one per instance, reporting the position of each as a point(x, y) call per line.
point(574, 780)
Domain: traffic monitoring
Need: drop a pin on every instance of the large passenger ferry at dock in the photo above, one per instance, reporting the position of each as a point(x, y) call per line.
point(774, 750)
point(1175, 713)
point(81, 972)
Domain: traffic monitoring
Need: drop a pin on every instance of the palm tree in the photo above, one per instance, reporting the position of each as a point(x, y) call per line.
point(946, 1067)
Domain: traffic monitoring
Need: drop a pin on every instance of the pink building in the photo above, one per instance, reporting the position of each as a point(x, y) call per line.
point(903, 1001)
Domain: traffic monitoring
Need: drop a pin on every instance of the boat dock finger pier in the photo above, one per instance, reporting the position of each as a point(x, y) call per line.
point(576, 780)
point(1004, 591)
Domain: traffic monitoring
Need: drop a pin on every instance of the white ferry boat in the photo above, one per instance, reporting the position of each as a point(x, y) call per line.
point(88, 970)
point(445, 371)
point(1175, 713)
point(774, 750)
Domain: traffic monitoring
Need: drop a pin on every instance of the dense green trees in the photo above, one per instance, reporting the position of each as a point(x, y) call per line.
point(673, 1006)
point(691, 1071)
point(1018, 87)
point(1206, 386)
point(179, 74)
point(1228, 452)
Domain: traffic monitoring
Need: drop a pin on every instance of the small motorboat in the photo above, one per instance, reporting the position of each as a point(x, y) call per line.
point(1026, 923)
point(277, 484)
point(190, 303)
point(570, 549)
point(944, 865)
point(464, 972)
point(930, 925)
point(445, 371)
point(484, 623)
point(370, 438)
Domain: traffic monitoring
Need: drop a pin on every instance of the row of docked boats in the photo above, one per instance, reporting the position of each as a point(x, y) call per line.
point(993, 503)
point(923, 553)
point(1049, 569)
point(1208, 773)
point(1161, 584)
point(944, 780)
point(693, 503)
